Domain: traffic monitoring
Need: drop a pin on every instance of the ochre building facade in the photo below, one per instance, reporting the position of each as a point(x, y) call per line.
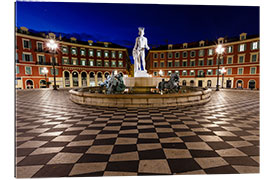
point(77, 63)
point(197, 62)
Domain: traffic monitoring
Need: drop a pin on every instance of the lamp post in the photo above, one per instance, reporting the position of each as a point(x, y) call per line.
point(219, 51)
point(45, 71)
point(52, 48)
point(160, 73)
point(223, 71)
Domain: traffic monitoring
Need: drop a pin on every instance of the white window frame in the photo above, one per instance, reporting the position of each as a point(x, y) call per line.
point(183, 63)
point(228, 59)
point(30, 70)
point(28, 43)
point(255, 70)
point(155, 55)
point(177, 62)
point(238, 71)
point(257, 45)
point(241, 55)
point(251, 54)
point(229, 71)
point(241, 47)
point(91, 51)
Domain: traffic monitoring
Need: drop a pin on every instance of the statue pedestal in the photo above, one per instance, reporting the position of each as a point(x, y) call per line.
point(142, 81)
point(141, 74)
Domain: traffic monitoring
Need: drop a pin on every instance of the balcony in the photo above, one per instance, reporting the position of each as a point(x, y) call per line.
point(39, 50)
point(200, 75)
point(47, 63)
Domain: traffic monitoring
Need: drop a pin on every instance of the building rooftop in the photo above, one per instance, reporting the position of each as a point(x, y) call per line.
point(66, 38)
point(197, 43)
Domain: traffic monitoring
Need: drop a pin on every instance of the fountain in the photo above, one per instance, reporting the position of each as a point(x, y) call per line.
point(142, 90)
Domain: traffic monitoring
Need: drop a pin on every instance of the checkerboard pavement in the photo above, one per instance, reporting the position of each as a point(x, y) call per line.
point(57, 138)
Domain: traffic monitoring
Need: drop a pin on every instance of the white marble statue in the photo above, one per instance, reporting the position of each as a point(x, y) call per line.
point(139, 54)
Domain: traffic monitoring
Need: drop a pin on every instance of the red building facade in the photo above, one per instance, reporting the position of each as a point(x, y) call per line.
point(77, 63)
point(197, 62)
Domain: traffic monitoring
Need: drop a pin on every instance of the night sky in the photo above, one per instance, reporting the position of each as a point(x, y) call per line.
point(118, 22)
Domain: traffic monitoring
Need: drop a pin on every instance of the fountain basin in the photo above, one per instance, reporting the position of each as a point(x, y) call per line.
point(140, 100)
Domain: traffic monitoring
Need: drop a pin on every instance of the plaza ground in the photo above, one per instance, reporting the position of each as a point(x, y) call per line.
point(56, 137)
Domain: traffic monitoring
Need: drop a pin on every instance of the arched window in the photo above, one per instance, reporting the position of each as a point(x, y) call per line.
point(252, 84)
point(209, 83)
point(75, 79)
point(184, 83)
point(84, 78)
point(191, 83)
point(92, 79)
point(67, 80)
point(99, 77)
point(29, 84)
point(106, 74)
point(239, 84)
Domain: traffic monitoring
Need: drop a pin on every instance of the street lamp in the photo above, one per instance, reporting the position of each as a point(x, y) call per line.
point(45, 71)
point(219, 51)
point(223, 71)
point(52, 48)
point(160, 73)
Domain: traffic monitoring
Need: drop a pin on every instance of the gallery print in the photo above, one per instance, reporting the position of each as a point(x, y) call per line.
point(109, 89)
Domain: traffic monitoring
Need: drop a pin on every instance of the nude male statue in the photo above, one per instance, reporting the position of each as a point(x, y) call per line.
point(139, 51)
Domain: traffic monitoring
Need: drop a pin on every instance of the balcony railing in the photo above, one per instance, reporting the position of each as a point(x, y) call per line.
point(200, 75)
point(46, 63)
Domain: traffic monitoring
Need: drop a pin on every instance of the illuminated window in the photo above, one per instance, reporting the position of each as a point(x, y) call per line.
point(106, 64)
point(254, 45)
point(120, 63)
point(98, 53)
point(73, 51)
point(113, 63)
point(184, 73)
point(210, 52)
point(91, 52)
point(120, 55)
point(242, 47)
point(82, 52)
point(201, 52)
point(229, 49)
point(83, 62)
point(91, 62)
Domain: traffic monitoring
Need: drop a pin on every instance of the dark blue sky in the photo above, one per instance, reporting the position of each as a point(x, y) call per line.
point(118, 22)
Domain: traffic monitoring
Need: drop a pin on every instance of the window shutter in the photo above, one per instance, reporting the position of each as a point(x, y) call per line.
point(23, 57)
point(30, 44)
point(245, 47)
point(31, 57)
